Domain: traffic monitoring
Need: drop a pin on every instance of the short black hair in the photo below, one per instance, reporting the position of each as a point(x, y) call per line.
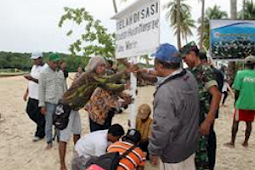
point(169, 65)
point(116, 130)
point(250, 65)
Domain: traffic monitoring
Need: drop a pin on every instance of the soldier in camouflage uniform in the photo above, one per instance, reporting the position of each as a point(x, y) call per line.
point(209, 96)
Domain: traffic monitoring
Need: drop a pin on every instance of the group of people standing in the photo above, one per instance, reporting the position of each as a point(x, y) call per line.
point(91, 88)
point(186, 103)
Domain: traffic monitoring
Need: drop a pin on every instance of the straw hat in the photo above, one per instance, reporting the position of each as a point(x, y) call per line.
point(144, 111)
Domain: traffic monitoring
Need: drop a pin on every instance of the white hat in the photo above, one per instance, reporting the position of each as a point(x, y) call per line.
point(36, 55)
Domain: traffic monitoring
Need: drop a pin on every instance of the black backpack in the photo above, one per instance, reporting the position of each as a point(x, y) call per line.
point(61, 116)
point(109, 161)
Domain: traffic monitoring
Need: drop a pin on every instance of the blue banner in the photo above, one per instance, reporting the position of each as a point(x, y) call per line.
point(232, 39)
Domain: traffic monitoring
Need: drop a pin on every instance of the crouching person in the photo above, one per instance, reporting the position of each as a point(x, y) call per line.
point(135, 158)
point(95, 144)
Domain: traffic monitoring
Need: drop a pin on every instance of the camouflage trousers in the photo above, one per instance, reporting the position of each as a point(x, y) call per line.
point(201, 158)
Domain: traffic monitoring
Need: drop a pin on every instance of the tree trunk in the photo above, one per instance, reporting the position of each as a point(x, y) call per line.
point(178, 23)
point(202, 25)
point(115, 6)
point(233, 9)
point(232, 65)
point(244, 2)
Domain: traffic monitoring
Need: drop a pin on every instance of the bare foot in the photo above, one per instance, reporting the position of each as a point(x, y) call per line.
point(245, 144)
point(49, 146)
point(229, 145)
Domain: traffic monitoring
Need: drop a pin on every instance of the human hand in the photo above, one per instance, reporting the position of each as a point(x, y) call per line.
point(28, 76)
point(154, 160)
point(25, 96)
point(132, 68)
point(128, 85)
point(43, 110)
point(205, 127)
point(142, 70)
point(127, 101)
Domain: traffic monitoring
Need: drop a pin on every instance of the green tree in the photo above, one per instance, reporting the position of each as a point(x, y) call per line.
point(95, 41)
point(185, 17)
point(248, 12)
point(186, 25)
point(211, 13)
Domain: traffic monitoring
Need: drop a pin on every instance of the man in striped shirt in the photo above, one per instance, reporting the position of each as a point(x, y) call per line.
point(136, 158)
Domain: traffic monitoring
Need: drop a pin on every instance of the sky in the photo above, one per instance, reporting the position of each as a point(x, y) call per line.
point(32, 25)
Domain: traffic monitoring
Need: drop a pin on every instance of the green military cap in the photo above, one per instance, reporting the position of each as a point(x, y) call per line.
point(188, 47)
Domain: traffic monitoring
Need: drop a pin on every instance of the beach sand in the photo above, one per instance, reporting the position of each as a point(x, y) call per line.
point(17, 151)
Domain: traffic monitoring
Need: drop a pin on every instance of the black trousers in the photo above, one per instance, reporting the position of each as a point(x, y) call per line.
point(144, 147)
point(34, 114)
point(108, 122)
point(211, 147)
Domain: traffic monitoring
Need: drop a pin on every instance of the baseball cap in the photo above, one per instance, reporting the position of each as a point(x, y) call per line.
point(54, 57)
point(36, 55)
point(188, 47)
point(133, 135)
point(143, 111)
point(167, 53)
point(249, 60)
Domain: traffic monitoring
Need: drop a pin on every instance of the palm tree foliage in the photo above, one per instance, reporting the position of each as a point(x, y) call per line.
point(248, 12)
point(187, 23)
point(211, 13)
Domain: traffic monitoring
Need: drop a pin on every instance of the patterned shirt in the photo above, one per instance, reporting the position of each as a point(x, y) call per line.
point(134, 159)
point(82, 89)
point(100, 104)
point(52, 85)
point(205, 79)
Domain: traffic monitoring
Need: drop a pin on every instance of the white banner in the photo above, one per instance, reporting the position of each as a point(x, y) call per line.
point(138, 29)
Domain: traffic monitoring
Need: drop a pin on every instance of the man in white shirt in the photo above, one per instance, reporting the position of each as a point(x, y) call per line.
point(52, 86)
point(33, 109)
point(95, 144)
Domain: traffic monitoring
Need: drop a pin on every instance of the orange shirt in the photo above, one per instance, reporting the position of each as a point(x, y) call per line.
point(134, 159)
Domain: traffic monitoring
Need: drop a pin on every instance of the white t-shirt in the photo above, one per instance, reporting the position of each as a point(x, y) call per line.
point(92, 144)
point(225, 87)
point(33, 88)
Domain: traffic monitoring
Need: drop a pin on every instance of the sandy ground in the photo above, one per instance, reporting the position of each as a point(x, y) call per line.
point(17, 151)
